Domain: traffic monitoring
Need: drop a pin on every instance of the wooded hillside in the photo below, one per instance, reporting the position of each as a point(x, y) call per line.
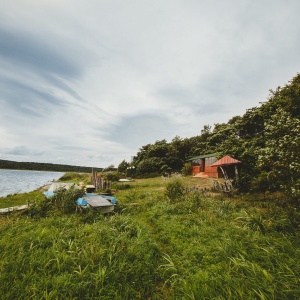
point(266, 139)
point(8, 164)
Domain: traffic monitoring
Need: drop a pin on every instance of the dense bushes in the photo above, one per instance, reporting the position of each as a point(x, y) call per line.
point(63, 202)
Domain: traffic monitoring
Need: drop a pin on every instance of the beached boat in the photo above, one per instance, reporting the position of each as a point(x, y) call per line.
point(104, 203)
point(59, 185)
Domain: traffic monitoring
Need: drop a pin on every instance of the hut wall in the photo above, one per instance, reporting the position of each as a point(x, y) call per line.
point(196, 170)
point(212, 172)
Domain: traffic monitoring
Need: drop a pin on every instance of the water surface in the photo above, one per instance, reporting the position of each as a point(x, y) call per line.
point(21, 181)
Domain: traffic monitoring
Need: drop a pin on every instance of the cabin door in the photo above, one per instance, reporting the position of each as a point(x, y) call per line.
point(202, 165)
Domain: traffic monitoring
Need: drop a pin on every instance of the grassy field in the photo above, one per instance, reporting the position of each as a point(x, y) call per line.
point(195, 246)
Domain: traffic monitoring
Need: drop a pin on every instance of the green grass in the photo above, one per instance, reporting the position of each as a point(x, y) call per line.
point(20, 199)
point(198, 247)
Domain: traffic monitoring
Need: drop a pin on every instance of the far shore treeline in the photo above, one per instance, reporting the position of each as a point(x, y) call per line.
point(14, 165)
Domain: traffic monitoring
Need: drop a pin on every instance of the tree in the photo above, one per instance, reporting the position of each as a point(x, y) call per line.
point(281, 154)
point(123, 166)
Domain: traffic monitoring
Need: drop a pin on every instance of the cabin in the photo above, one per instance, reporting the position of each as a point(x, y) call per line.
point(201, 165)
point(208, 166)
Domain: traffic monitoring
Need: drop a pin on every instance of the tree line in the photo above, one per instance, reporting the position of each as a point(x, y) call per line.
point(8, 164)
point(266, 139)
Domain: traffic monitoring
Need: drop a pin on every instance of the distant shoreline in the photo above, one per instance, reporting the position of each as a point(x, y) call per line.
point(34, 166)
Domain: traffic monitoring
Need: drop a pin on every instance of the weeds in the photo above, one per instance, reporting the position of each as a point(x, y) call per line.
point(194, 247)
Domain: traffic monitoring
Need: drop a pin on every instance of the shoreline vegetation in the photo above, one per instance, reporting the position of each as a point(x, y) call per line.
point(33, 166)
point(167, 239)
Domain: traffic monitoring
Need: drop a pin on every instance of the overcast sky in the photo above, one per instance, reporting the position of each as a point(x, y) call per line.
point(90, 82)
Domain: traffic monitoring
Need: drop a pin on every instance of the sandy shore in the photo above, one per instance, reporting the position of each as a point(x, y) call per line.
point(44, 188)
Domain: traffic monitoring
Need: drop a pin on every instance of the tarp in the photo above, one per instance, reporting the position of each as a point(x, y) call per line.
point(81, 202)
point(225, 161)
point(49, 194)
point(104, 203)
point(112, 199)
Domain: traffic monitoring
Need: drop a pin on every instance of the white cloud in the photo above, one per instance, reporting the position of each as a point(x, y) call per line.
point(90, 82)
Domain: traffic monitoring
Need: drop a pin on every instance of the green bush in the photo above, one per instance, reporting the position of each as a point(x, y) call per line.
point(39, 209)
point(64, 200)
point(112, 176)
point(175, 190)
point(187, 169)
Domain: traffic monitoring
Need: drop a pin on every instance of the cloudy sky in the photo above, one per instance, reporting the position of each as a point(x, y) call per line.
point(90, 82)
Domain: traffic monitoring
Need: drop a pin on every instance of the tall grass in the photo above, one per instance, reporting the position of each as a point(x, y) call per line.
point(198, 247)
point(20, 199)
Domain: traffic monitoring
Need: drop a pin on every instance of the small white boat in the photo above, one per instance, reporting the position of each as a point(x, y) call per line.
point(59, 185)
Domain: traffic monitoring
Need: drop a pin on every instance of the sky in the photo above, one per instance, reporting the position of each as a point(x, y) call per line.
point(89, 83)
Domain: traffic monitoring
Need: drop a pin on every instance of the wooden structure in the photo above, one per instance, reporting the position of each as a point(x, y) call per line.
point(208, 166)
point(202, 166)
point(228, 166)
point(99, 182)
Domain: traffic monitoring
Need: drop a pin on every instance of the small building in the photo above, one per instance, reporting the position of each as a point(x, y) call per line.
point(201, 165)
point(208, 166)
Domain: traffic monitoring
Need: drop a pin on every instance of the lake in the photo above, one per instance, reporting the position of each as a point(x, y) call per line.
point(21, 181)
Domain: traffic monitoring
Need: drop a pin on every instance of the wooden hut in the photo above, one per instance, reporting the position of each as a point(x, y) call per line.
point(201, 165)
point(208, 166)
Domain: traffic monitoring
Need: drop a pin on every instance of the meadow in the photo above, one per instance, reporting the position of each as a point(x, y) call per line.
point(160, 243)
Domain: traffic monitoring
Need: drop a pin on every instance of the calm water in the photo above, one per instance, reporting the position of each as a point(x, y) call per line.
point(19, 181)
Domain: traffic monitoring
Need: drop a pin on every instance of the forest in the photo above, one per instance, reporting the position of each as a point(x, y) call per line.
point(8, 164)
point(266, 139)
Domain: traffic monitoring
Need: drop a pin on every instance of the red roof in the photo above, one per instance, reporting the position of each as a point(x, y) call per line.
point(225, 161)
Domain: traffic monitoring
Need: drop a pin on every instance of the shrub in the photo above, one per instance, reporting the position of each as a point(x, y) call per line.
point(175, 190)
point(187, 169)
point(40, 208)
point(64, 200)
point(112, 176)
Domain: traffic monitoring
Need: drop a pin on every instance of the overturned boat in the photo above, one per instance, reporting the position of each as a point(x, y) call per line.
point(104, 203)
point(55, 186)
